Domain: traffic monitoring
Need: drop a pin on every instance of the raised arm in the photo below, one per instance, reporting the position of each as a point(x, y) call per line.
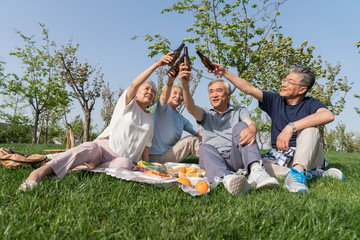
point(131, 92)
point(238, 82)
point(196, 111)
point(165, 94)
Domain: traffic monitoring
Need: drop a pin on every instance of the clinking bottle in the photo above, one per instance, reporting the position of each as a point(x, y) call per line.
point(176, 67)
point(176, 54)
point(205, 61)
point(186, 58)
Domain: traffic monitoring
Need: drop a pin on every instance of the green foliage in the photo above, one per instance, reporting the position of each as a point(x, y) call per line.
point(356, 108)
point(88, 205)
point(110, 99)
point(341, 141)
point(243, 35)
point(2, 74)
point(355, 95)
point(16, 129)
point(39, 86)
point(333, 92)
point(161, 72)
point(86, 81)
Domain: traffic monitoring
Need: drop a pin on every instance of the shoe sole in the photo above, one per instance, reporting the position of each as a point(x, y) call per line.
point(237, 185)
point(27, 186)
point(271, 183)
point(338, 174)
point(301, 190)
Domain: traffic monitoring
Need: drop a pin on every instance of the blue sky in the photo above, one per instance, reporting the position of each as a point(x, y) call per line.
point(104, 28)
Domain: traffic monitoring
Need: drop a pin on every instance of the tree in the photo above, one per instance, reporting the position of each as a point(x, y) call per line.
point(18, 124)
point(339, 140)
point(244, 35)
point(85, 81)
point(2, 75)
point(355, 95)
point(110, 99)
point(161, 73)
point(39, 85)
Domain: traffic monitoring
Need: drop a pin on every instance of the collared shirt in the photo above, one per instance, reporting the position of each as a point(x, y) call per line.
point(218, 127)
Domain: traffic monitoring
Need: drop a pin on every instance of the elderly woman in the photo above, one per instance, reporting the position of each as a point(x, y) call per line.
point(121, 144)
point(167, 145)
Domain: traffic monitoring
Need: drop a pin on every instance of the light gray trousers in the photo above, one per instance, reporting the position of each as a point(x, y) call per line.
point(219, 164)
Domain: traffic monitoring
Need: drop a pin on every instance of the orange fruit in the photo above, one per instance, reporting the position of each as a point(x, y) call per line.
point(184, 181)
point(193, 174)
point(201, 187)
point(182, 170)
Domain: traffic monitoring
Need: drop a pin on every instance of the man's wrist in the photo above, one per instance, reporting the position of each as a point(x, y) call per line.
point(292, 125)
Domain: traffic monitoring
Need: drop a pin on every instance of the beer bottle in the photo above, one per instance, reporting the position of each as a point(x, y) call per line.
point(205, 61)
point(176, 68)
point(176, 54)
point(186, 58)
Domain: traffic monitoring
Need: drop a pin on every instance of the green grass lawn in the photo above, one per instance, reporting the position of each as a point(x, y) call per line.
point(89, 205)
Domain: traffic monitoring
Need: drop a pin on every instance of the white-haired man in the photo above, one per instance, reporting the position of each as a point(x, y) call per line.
point(228, 142)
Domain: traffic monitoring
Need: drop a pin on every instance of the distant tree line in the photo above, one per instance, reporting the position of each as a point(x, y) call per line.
point(242, 35)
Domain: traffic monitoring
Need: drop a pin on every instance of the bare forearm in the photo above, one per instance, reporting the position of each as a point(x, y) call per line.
point(140, 79)
point(165, 94)
point(194, 110)
point(321, 117)
point(145, 154)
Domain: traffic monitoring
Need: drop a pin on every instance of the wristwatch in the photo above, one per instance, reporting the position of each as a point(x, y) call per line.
point(292, 125)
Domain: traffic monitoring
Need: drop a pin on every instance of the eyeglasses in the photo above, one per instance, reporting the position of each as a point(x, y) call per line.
point(290, 82)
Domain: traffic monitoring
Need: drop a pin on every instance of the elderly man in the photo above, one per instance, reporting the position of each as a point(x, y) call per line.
point(295, 137)
point(228, 142)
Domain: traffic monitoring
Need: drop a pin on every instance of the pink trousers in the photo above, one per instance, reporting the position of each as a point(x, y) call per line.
point(95, 154)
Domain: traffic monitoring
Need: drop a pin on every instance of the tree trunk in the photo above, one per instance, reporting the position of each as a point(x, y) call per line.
point(36, 122)
point(86, 136)
point(41, 129)
point(46, 128)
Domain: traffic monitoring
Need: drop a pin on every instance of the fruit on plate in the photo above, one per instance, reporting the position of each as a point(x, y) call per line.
point(201, 187)
point(190, 172)
point(185, 181)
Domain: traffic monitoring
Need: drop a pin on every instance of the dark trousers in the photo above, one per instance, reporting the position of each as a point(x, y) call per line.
point(219, 164)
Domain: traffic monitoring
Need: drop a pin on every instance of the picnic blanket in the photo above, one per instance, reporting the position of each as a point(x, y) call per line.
point(139, 175)
point(159, 181)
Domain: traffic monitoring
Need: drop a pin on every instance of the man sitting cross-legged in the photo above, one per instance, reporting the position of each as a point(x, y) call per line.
point(228, 141)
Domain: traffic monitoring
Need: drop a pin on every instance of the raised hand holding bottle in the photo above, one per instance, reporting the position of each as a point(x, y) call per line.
point(205, 61)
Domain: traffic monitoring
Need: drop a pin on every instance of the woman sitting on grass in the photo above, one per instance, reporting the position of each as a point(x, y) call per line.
point(126, 139)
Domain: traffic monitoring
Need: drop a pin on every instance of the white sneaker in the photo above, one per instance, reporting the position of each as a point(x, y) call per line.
point(27, 185)
point(330, 173)
point(260, 178)
point(236, 184)
point(296, 181)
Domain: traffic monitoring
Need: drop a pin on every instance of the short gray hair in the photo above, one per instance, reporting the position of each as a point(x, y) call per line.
point(154, 87)
point(152, 84)
point(177, 84)
point(227, 85)
point(307, 76)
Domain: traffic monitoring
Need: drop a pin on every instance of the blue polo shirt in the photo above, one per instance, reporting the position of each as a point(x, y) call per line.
point(218, 127)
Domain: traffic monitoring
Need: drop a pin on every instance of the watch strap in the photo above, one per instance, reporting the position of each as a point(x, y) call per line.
point(292, 125)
